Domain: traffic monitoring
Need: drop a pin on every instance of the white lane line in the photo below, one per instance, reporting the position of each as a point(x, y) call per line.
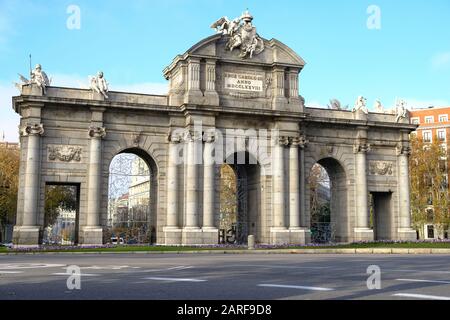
point(420, 296)
point(278, 266)
point(3, 272)
point(29, 266)
point(413, 270)
point(168, 269)
point(75, 274)
point(426, 281)
point(294, 287)
point(174, 279)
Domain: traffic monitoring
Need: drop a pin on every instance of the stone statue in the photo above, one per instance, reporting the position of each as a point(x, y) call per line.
point(400, 110)
point(335, 104)
point(38, 77)
point(378, 107)
point(361, 105)
point(98, 84)
point(241, 33)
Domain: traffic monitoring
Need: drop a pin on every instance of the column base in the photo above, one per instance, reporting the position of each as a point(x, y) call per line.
point(279, 236)
point(211, 98)
point(407, 234)
point(299, 236)
point(192, 236)
point(210, 235)
point(172, 236)
point(363, 234)
point(26, 236)
point(91, 236)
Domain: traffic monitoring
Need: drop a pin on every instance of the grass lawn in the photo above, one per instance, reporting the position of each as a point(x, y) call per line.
point(120, 248)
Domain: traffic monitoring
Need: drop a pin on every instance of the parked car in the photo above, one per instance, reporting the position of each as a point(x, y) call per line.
point(115, 240)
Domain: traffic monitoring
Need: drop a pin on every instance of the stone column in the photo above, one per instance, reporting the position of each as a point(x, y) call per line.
point(279, 98)
point(27, 234)
point(192, 231)
point(362, 230)
point(210, 232)
point(405, 232)
point(193, 94)
point(211, 95)
point(294, 185)
point(172, 230)
point(302, 146)
point(92, 231)
point(279, 232)
point(208, 181)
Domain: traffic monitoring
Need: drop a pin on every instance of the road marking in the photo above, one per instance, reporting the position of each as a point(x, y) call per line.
point(427, 281)
point(295, 287)
point(168, 269)
point(29, 266)
point(277, 266)
point(412, 270)
point(420, 296)
point(75, 274)
point(174, 279)
point(3, 272)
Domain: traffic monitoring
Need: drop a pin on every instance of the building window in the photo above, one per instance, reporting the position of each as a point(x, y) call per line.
point(430, 232)
point(443, 118)
point(426, 135)
point(429, 119)
point(442, 135)
point(415, 120)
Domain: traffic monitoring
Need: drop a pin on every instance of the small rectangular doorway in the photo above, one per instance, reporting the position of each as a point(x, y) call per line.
point(382, 215)
point(61, 214)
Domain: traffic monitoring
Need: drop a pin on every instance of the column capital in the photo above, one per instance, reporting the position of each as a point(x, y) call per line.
point(35, 129)
point(209, 137)
point(402, 150)
point(174, 137)
point(361, 147)
point(282, 141)
point(192, 136)
point(97, 132)
point(299, 142)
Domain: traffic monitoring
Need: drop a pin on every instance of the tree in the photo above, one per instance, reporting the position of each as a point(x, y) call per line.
point(57, 198)
point(429, 184)
point(228, 198)
point(9, 180)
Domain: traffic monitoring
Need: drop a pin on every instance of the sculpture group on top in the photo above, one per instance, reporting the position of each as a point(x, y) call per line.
point(241, 34)
point(98, 84)
point(37, 76)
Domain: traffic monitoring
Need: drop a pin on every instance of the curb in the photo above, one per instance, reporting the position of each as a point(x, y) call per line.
point(402, 251)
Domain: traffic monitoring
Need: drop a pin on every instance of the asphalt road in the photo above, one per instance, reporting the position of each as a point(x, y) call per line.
point(224, 277)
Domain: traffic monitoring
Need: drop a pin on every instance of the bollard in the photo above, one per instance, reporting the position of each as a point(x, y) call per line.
point(251, 242)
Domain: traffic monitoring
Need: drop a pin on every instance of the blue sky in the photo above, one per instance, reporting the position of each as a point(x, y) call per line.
point(132, 41)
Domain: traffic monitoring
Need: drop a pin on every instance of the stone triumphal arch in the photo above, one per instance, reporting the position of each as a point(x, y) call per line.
point(234, 93)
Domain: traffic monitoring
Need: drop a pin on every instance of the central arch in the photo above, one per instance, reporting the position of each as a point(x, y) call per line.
point(139, 198)
point(244, 180)
point(339, 216)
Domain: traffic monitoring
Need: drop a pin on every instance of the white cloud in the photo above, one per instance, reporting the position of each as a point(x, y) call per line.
point(77, 81)
point(148, 88)
point(418, 104)
point(441, 60)
point(9, 120)
point(315, 104)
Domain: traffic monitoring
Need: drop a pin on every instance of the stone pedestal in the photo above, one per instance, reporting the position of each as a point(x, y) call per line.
point(299, 236)
point(26, 236)
point(192, 236)
point(91, 236)
point(210, 236)
point(407, 234)
point(172, 236)
point(363, 234)
point(279, 236)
